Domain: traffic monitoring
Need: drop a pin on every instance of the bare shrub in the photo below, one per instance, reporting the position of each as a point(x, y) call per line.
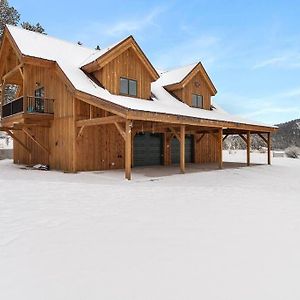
point(292, 152)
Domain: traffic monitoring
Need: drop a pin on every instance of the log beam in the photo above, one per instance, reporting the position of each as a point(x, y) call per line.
point(220, 147)
point(248, 147)
point(182, 148)
point(175, 133)
point(128, 148)
point(99, 121)
point(269, 148)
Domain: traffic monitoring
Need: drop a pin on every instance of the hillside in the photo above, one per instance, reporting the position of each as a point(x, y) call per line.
point(287, 134)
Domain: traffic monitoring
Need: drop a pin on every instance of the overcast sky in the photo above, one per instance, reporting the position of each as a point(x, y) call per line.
point(251, 49)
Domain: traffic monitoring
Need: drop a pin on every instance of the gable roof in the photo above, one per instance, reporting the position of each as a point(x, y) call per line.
point(100, 59)
point(179, 77)
point(69, 58)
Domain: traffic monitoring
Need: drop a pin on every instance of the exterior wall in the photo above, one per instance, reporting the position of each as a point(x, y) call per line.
point(196, 85)
point(59, 138)
point(99, 147)
point(206, 151)
point(126, 65)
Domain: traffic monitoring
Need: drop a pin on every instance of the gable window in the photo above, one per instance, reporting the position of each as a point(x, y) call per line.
point(197, 101)
point(128, 87)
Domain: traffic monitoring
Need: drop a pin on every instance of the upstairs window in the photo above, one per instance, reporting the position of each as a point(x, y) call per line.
point(197, 101)
point(128, 87)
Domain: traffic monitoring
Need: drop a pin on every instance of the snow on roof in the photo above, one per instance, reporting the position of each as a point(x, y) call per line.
point(70, 57)
point(175, 75)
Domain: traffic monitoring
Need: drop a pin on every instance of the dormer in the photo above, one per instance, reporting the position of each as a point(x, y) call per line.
point(191, 85)
point(123, 70)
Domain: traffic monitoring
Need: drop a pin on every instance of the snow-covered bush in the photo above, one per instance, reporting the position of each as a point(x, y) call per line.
point(292, 152)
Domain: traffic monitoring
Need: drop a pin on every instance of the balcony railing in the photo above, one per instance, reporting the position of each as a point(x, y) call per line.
point(30, 105)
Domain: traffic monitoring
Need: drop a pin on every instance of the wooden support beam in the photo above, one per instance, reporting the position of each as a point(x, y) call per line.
point(263, 138)
point(182, 148)
point(175, 133)
point(220, 147)
point(248, 147)
point(128, 148)
point(269, 148)
point(243, 138)
point(99, 121)
point(11, 72)
point(200, 138)
point(18, 140)
point(80, 133)
point(225, 137)
point(121, 130)
point(35, 140)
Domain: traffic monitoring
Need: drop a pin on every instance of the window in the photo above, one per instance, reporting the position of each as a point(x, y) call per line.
point(197, 101)
point(39, 96)
point(128, 87)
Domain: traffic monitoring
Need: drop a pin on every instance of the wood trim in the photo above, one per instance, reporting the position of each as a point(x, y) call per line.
point(99, 121)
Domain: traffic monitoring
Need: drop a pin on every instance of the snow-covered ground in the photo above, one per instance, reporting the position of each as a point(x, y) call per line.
point(211, 234)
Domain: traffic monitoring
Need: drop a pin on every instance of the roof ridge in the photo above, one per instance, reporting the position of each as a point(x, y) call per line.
point(181, 67)
point(49, 37)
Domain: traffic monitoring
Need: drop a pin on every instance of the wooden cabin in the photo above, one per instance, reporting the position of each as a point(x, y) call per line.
point(79, 109)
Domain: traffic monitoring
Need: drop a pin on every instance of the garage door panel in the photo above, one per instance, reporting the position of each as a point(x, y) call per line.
point(189, 150)
point(147, 149)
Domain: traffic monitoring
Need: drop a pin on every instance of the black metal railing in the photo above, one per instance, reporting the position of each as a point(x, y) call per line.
point(13, 107)
point(30, 105)
point(39, 105)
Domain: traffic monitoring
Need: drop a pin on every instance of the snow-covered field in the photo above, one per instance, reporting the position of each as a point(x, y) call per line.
point(211, 234)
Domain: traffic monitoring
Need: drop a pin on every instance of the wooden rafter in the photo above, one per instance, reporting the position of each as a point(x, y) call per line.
point(35, 140)
point(99, 121)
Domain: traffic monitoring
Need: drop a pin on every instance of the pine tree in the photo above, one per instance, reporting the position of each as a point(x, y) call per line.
point(97, 47)
point(8, 15)
point(37, 28)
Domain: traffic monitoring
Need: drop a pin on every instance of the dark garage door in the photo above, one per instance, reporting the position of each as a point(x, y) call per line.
point(147, 149)
point(189, 150)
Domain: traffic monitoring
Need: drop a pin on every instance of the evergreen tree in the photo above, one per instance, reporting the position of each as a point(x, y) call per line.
point(97, 47)
point(37, 28)
point(8, 15)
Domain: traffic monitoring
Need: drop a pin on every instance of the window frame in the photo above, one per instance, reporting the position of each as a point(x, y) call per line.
point(128, 86)
point(198, 98)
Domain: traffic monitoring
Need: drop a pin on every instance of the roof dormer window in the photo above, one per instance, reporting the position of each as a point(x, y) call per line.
point(197, 101)
point(128, 87)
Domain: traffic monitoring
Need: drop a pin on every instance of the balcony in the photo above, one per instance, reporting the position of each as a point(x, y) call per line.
point(29, 105)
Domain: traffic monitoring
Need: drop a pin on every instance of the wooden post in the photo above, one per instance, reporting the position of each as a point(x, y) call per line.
point(128, 143)
point(167, 149)
point(269, 148)
point(248, 147)
point(220, 144)
point(182, 149)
